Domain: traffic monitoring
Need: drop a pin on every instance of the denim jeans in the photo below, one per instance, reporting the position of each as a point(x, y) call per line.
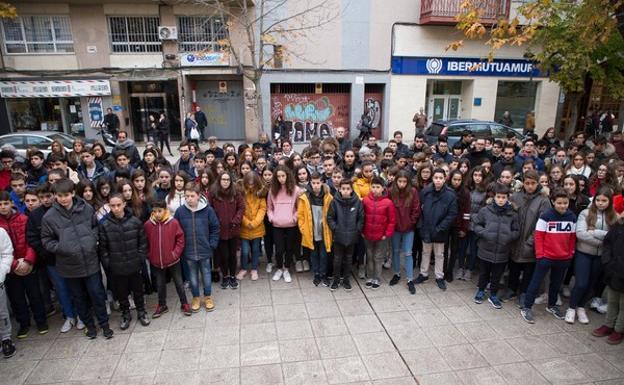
point(402, 247)
point(587, 270)
point(468, 252)
point(87, 292)
point(250, 246)
point(318, 258)
point(557, 270)
point(194, 268)
point(62, 293)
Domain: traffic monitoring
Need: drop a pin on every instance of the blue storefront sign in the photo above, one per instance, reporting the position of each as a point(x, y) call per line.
point(456, 66)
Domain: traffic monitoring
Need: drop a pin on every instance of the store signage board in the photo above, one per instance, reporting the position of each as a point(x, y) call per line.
point(456, 66)
point(54, 88)
point(203, 59)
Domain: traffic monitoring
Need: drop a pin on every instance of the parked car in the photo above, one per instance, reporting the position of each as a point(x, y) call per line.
point(453, 129)
point(42, 140)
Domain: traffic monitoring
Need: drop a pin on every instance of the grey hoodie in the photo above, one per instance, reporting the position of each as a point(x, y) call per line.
point(590, 241)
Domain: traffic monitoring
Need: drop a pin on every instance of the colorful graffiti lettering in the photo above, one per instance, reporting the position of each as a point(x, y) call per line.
point(314, 111)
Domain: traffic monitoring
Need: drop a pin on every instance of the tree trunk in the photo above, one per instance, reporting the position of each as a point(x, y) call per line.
point(620, 127)
point(259, 110)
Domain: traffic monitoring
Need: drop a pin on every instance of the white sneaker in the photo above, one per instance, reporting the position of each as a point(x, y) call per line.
point(132, 304)
point(306, 265)
point(269, 268)
point(277, 275)
point(460, 275)
point(467, 275)
point(67, 325)
point(582, 315)
point(287, 277)
point(541, 299)
point(80, 325)
point(570, 316)
point(299, 266)
point(595, 303)
point(566, 292)
point(602, 309)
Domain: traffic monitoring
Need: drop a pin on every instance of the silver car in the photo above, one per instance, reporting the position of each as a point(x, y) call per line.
point(41, 140)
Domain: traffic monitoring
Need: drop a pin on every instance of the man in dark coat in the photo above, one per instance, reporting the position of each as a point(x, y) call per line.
point(202, 122)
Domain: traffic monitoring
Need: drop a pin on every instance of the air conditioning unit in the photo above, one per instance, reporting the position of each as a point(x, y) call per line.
point(167, 33)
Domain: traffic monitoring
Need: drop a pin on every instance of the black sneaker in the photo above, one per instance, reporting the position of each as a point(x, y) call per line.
point(233, 283)
point(441, 283)
point(411, 287)
point(395, 279)
point(91, 332)
point(107, 332)
point(22, 332)
point(316, 281)
point(369, 284)
point(225, 283)
point(143, 318)
point(555, 311)
point(326, 282)
point(42, 329)
point(420, 279)
point(124, 322)
point(8, 349)
point(375, 285)
point(346, 284)
point(335, 285)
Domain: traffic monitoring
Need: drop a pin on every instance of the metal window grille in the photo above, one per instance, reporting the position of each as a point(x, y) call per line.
point(37, 34)
point(134, 34)
point(200, 33)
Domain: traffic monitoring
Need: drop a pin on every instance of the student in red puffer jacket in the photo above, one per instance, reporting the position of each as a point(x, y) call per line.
point(165, 241)
point(379, 222)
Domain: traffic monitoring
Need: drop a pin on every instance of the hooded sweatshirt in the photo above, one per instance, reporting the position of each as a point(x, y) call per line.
point(201, 229)
point(165, 240)
point(282, 208)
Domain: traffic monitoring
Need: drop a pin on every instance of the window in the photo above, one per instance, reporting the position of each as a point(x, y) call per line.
point(518, 98)
point(198, 33)
point(134, 34)
point(37, 34)
point(39, 142)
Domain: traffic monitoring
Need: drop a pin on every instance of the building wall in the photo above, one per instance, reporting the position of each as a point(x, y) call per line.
point(89, 29)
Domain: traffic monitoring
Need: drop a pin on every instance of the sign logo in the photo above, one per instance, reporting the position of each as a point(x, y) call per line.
point(190, 58)
point(434, 66)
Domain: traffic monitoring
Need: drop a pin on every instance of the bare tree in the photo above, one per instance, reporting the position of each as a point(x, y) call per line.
point(265, 34)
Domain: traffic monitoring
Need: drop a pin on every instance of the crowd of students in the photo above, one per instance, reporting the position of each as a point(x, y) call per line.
point(101, 230)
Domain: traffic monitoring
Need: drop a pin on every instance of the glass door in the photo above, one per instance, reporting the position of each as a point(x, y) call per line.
point(144, 105)
point(444, 107)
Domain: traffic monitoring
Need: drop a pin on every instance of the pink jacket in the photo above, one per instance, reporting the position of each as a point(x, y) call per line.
point(282, 208)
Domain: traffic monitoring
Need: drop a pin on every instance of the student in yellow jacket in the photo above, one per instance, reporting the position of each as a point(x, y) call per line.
point(252, 225)
point(361, 186)
point(316, 235)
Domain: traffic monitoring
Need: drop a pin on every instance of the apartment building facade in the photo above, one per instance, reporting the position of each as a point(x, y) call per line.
point(65, 62)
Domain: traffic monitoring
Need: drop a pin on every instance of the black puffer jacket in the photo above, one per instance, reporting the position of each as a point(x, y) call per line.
point(33, 236)
point(439, 210)
point(123, 244)
point(346, 219)
point(497, 227)
point(72, 235)
point(613, 258)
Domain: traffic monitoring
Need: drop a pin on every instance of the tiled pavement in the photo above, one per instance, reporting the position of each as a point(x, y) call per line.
point(278, 333)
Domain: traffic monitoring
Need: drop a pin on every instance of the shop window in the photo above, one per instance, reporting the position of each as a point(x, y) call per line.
point(199, 33)
point(136, 34)
point(35, 114)
point(37, 34)
point(516, 97)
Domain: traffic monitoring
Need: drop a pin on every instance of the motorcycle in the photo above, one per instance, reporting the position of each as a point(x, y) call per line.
point(108, 138)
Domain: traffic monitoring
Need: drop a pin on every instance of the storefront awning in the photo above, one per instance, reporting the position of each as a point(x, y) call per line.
point(54, 88)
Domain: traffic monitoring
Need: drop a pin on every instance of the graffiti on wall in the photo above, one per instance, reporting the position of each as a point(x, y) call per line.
point(302, 116)
point(373, 102)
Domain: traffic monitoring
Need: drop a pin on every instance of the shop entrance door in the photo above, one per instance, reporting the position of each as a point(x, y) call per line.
point(444, 107)
point(152, 98)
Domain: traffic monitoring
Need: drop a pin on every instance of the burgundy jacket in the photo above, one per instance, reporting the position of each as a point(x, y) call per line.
point(165, 241)
point(230, 214)
point(407, 213)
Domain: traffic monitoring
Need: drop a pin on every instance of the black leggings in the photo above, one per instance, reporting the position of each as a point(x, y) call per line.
point(226, 250)
point(268, 239)
point(164, 141)
point(285, 239)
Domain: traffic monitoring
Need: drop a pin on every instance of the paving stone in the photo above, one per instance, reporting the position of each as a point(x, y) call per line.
point(304, 373)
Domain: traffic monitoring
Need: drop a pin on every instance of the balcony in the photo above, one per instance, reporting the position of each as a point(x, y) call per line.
point(443, 12)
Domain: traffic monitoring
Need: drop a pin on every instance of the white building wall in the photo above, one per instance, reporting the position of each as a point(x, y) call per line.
point(407, 95)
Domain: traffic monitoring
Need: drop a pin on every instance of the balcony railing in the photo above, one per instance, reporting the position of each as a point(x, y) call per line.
point(443, 12)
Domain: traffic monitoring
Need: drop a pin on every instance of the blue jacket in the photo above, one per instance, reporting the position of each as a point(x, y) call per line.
point(19, 204)
point(539, 163)
point(439, 209)
point(201, 230)
point(100, 170)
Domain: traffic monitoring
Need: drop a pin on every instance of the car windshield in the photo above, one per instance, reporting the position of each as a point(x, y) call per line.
point(67, 141)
